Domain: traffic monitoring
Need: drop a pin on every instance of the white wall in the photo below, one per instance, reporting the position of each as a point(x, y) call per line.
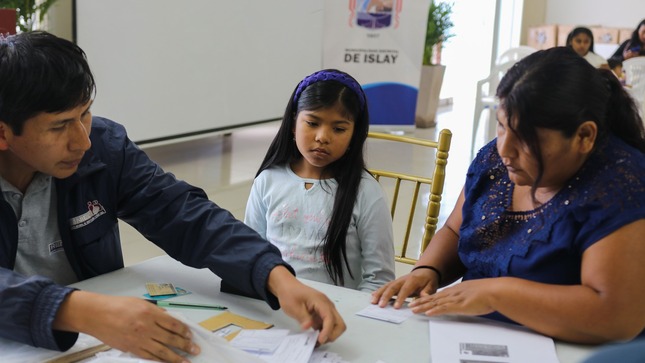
point(168, 68)
point(614, 13)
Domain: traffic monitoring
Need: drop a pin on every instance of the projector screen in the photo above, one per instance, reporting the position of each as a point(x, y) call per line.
point(167, 69)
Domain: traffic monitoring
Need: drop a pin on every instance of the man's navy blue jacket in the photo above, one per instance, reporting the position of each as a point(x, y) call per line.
point(116, 180)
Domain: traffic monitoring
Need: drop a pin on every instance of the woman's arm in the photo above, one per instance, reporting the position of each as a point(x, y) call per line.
point(608, 305)
point(441, 253)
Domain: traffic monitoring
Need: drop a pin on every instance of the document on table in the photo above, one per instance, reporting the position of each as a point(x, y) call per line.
point(281, 347)
point(388, 313)
point(466, 340)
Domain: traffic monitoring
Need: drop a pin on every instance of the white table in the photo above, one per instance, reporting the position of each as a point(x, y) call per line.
point(365, 341)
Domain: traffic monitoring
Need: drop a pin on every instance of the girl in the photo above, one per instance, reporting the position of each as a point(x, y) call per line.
point(580, 40)
point(312, 196)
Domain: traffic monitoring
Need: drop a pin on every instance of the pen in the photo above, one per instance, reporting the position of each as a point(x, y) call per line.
point(170, 304)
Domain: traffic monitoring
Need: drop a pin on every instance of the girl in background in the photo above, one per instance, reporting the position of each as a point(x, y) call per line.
point(312, 196)
point(580, 40)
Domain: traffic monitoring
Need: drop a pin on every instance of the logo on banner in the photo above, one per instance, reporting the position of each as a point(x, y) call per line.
point(375, 14)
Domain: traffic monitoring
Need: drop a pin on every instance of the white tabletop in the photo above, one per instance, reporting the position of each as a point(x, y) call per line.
point(365, 341)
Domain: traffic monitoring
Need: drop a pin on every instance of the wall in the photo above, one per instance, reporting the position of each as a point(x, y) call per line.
point(59, 19)
point(620, 14)
point(165, 68)
point(615, 13)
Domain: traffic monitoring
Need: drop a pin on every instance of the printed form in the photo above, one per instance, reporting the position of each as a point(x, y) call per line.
point(466, 340)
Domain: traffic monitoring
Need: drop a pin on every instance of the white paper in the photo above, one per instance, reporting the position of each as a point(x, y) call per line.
point(388, 313)
point(259, 340)
point(466, 340)
point(295, 348)
point(326, 357)
point(213, 349)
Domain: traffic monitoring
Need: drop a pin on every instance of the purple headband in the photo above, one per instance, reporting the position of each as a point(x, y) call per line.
point(330, 76)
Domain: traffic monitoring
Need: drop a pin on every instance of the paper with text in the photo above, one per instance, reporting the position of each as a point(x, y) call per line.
point(463, 340)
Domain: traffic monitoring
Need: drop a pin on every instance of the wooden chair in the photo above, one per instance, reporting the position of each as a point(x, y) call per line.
point(401, 182)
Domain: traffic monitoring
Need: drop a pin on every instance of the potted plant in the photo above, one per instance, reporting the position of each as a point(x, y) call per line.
point(28, 12)
point(437, 32)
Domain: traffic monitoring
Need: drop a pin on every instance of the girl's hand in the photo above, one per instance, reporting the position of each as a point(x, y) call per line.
point(472, 297)
point(421, 282)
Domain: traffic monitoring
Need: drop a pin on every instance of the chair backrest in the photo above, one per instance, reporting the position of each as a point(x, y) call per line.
point(488, 86)
point(635, 80)
point(515, 54)
point(503, 63)
point(406, 188)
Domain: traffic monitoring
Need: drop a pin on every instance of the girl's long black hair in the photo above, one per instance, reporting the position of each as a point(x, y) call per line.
point(347, 171)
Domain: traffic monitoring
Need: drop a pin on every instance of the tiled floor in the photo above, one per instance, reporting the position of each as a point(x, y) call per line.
point(224, 166)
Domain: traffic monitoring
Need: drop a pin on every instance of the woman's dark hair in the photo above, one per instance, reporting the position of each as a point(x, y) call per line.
point(40, 72)
point(636, 39)
point(580, 30)
point(559, 90)
point(347, 171)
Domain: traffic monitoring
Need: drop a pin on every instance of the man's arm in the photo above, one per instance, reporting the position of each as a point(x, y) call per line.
point(27, 309)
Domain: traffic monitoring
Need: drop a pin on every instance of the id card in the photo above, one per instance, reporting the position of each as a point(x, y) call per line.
point(156, 289)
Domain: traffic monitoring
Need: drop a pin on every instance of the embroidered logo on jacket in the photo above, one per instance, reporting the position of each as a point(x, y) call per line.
point(94, 210)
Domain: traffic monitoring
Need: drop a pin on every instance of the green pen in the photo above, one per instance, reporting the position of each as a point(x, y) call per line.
point(176, 304)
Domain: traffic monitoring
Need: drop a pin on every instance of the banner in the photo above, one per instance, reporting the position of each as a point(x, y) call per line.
point(380, 43)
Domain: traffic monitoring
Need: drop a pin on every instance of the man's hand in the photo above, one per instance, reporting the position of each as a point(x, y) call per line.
point(127, 324)
point(310, 307)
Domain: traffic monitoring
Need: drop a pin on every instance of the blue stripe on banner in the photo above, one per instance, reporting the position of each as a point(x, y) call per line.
point(391, 103)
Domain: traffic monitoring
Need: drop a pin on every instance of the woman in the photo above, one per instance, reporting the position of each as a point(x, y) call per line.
point(548, 230)
point(634, 46)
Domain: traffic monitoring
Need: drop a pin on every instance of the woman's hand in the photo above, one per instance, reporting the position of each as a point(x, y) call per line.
point(127, 324)
point(421, 282)
point(471, 297)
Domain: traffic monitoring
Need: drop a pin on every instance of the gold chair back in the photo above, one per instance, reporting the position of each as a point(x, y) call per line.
point(433, 181)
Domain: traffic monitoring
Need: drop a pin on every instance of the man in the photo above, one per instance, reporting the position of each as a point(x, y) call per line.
point(66, 177)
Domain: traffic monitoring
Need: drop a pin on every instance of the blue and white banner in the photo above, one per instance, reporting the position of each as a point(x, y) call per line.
point(380, 43)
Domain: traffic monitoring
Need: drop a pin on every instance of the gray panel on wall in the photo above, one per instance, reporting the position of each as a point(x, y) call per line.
point(166, 68)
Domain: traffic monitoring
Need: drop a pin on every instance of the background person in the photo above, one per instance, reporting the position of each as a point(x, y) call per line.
point(580, 39)
point(634, 46)
point(548, 230)
point(66, 177)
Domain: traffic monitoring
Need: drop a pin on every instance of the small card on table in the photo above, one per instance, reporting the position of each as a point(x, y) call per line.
point(156, 289)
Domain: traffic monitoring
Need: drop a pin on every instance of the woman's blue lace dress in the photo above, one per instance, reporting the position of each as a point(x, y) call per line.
point(546, 244)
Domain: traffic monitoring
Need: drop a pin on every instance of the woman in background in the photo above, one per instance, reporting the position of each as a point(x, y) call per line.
point(634, 46)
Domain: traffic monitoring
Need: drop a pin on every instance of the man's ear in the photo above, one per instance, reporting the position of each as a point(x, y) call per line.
point(5, 134)
point(586, 134)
